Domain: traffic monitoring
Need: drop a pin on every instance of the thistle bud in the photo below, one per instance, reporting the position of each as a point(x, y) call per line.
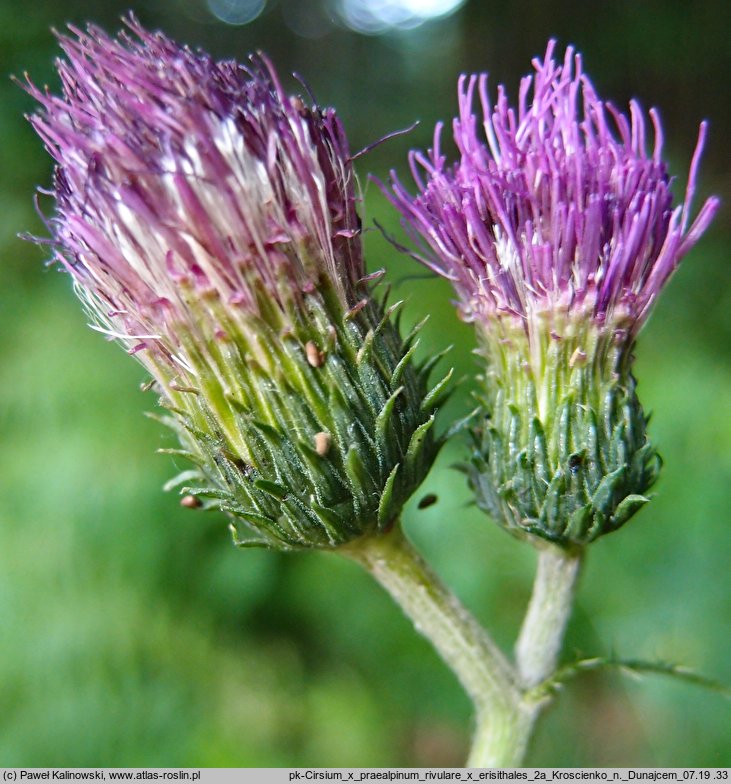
point(557, 230)
point(209, 223)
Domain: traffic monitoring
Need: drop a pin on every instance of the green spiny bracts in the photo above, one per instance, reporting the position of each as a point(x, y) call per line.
point(324, 438)
point(209, 222)
point(560, 449)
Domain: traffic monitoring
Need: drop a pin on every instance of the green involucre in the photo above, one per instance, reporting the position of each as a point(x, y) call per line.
point(308, 431)
point(561, 450)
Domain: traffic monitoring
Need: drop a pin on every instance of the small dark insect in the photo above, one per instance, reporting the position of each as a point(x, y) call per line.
point(427, 501)
point(575, 462)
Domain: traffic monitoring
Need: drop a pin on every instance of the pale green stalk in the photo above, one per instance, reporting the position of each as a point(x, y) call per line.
point(505, 709)
point(536, 654)
point(482, 669)
point(504, 743)
point(541, 636)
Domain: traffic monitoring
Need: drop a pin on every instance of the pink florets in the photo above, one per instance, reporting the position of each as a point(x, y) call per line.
point(554, 205)
point(176, 173)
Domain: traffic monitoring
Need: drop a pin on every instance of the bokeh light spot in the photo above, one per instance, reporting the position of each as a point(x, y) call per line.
point(374, 17)
point(236, 12)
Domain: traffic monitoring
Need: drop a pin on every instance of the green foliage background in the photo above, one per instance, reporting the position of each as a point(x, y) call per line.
point(133, 633)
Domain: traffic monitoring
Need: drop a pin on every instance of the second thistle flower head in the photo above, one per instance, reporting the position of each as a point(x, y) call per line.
point(209, 222)
point(555, 206)
point(557, 228)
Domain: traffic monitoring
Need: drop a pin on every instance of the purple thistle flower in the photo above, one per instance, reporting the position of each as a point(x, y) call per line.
point(553, 206)
point(209, 222)
point(178, 173)
point(557, 229)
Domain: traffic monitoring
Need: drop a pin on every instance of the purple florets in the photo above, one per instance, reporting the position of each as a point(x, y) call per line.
point(209, 221)
point(555, 205)
point(179, 174)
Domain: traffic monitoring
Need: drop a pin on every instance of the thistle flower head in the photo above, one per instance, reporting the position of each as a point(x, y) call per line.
point(209, 222)
point(555, 205)
point(556, 227)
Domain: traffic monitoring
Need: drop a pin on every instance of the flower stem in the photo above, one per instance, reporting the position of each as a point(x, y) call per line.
point(506, 705)
point(503, 744)
point(541, 635)
point(465, 646)
point(536, 653)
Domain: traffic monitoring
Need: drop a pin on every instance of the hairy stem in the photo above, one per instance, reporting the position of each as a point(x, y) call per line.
point(541, 635)
point(536, 653)
point(465, 646)
point(503, 744)
point(505, 701)
point(482, 669)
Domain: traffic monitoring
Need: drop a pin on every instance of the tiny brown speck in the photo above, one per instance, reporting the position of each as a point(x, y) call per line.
point(314, 356)
point(190, 502)
point(322, 443)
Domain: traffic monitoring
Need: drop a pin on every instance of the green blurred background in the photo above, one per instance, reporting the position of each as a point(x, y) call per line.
point(133, 633)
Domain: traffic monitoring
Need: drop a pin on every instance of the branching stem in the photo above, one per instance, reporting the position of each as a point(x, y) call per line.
point(506, 707)
point(465, 646)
